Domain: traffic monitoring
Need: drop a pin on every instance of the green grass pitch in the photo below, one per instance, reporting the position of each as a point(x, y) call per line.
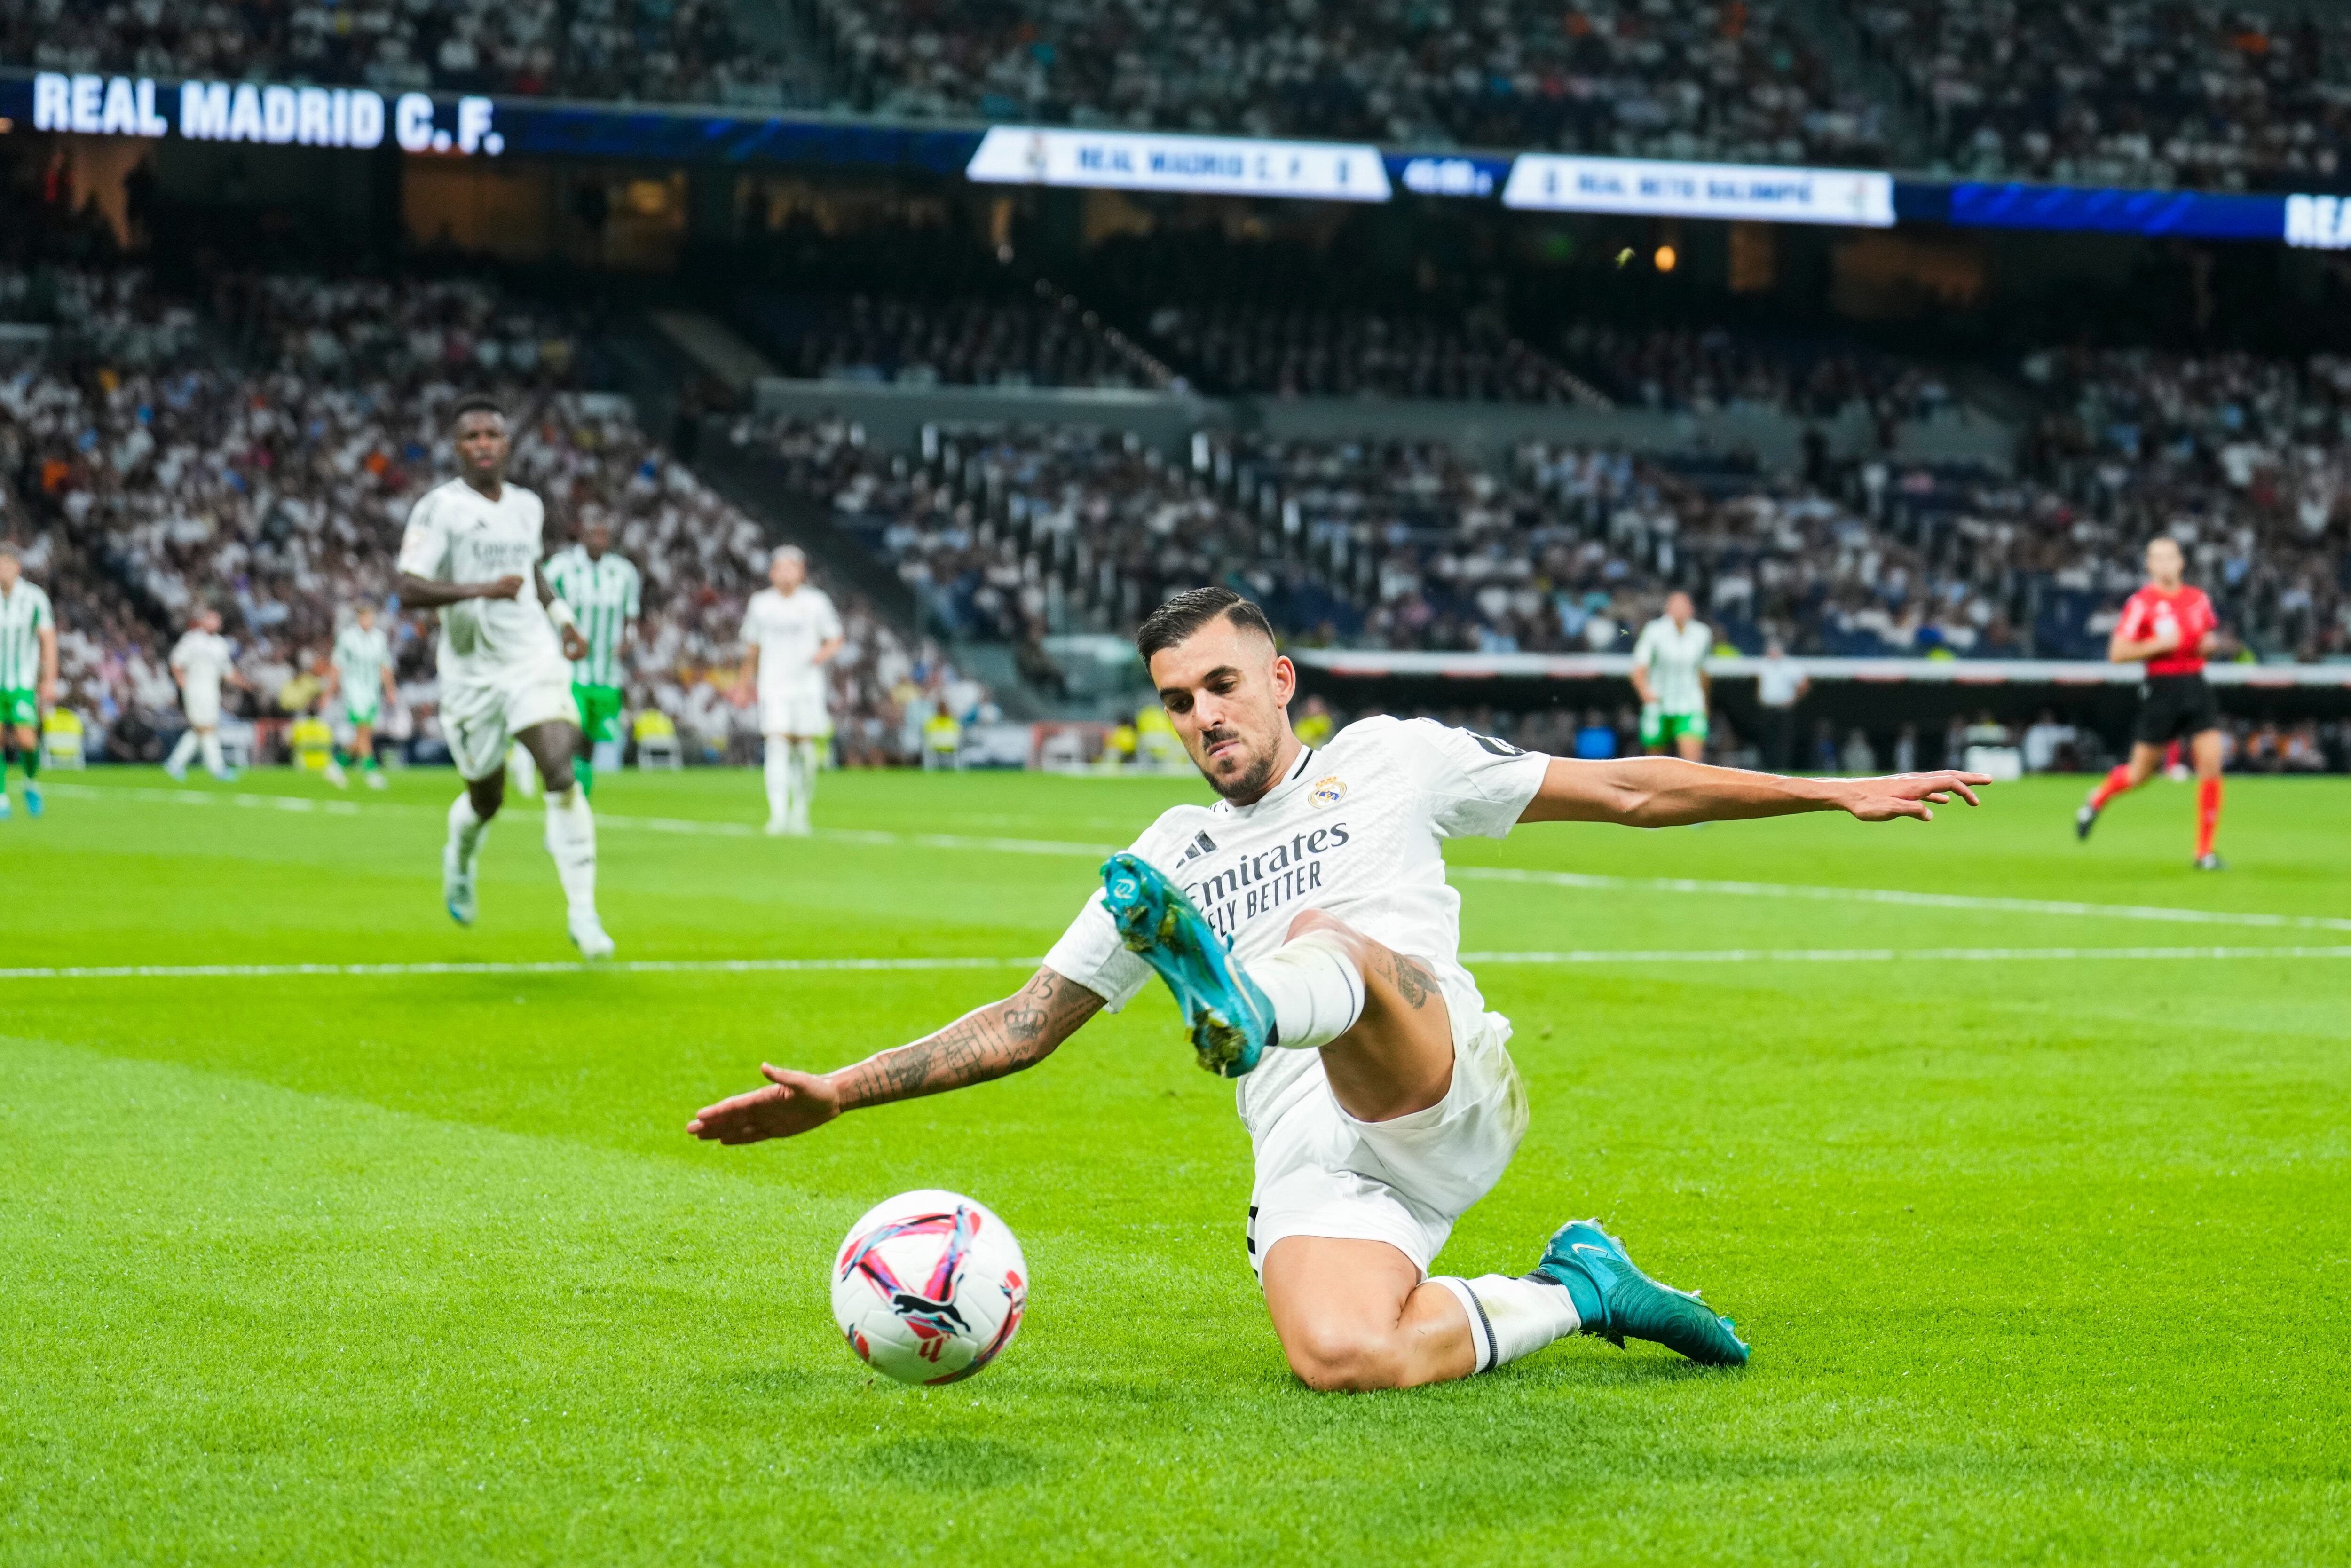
point(2044, 1259)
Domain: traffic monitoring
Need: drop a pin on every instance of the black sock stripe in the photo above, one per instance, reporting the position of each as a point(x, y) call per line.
point(1493, 1351)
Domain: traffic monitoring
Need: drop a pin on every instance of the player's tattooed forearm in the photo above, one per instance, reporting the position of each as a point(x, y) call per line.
point(1018, 1032)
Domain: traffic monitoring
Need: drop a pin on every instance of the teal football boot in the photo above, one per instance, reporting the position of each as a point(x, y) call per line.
point(1230, 1021)
point(1633, 1305)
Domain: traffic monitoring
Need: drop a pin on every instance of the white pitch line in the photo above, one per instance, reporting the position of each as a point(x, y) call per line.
point(1594, 955)
point(1890, 955)
point(684, 826)
point(574, 967)
point(1894, 895)
point(1593, 882)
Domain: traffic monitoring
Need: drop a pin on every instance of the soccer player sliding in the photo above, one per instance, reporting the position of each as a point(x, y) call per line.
point(1306, 928)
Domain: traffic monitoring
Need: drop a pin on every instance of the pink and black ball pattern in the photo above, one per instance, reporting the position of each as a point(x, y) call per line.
point(929, 1287)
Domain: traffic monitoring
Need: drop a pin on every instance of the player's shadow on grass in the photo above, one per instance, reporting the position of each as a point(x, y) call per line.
point(952, 1463)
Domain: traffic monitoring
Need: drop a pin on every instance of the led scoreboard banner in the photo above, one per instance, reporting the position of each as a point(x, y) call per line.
point(477, 126)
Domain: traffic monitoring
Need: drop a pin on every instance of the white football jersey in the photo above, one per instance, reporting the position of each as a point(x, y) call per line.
point(456, 534)
point(788, 630)
point(1673, 656)
point(1355, 828)
point(202, 658)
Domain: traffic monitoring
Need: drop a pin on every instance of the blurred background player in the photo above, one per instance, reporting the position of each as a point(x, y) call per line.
point(28, 674)
point(789, 629)
point(1669, 673)
point(1779, 685)
point(2173, 627)
point(361, 675)
point(602, 590)
point(200, 663)
point(472, 551)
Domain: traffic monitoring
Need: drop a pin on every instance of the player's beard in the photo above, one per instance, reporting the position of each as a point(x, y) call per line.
point(1246, 786)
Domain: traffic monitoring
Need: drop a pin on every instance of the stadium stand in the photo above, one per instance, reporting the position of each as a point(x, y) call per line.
point(277, 495)
point(2125, 92)
point(1732, 82)
point(1704, 369)
point(1409, 546)
point(1299, 352)
point(658, 51)
point(1041, 338)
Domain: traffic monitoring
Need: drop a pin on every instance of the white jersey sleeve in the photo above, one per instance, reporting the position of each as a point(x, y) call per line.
point(425, 544)
point(1477, 785)
point(828, 619)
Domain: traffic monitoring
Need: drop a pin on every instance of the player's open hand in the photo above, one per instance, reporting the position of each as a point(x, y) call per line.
point(1910, 794)
point(792, 1104)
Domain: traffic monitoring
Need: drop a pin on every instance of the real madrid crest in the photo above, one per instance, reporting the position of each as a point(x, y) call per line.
point(1327, 792)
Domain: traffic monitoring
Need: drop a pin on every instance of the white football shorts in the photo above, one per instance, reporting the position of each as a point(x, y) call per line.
point(481, 719)
point(201, 707)
point(798, 710)
point(1320, 1172)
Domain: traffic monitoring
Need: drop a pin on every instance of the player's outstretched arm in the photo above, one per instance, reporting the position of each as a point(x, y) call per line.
point(992, 1041)
point(1666, 792)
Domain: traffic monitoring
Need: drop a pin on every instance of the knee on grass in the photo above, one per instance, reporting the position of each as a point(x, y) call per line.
point(1333, 1358)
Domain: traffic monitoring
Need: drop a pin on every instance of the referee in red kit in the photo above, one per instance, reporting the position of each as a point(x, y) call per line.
point(2171, 626)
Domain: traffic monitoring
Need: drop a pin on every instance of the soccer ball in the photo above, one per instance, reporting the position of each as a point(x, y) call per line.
point(929, 1286)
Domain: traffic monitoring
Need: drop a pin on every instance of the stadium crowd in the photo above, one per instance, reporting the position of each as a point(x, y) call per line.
point(658, 51)
point(972, 340)
point(1301, 352)
point(1408, 545)
point(277, 495)
point(2125, 92)
point(1735, 80)
point(1704, 369)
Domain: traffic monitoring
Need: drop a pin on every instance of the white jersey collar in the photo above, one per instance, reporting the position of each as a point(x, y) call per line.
point(1288, 782)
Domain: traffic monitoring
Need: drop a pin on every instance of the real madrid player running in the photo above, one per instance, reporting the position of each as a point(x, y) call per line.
point(789, 629)
point(1377, 1087)
point(2172, 626)
point(363, 689)
point(472, 552)
point(603, 591)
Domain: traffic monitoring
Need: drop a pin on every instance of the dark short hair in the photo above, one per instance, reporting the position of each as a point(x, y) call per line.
point(9, 548)
point(476, 403)
point(1189, 611)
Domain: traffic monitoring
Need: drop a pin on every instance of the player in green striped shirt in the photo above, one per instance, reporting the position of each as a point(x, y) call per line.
point(28, 674)
point(364, 689)
point(602, 590)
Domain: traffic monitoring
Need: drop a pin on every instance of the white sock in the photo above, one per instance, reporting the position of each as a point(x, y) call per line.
point(1510, 1318)
point(209, 742)
point(1315, 989)
point(466, 832)
point(803, 772)
point(780, 778)
point(183, 753)
point(571, 840)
